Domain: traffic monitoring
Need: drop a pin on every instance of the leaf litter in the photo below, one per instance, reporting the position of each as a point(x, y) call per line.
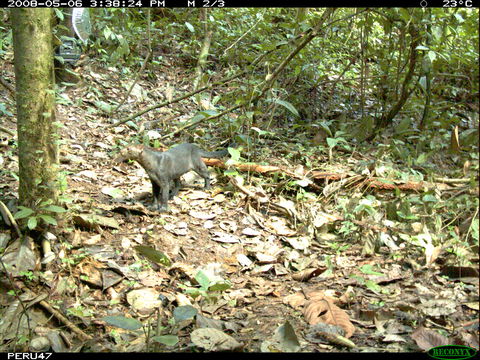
point(292, 288)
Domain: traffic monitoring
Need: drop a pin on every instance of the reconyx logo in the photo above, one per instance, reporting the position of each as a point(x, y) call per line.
point(456, 352)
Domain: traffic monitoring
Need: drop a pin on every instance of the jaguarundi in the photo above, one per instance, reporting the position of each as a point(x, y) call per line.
point(165, 168)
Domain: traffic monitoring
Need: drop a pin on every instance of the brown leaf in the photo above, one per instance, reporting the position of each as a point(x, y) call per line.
point(307, 274)
point(322, 309)
point(454, 141)
point(91, 221)
point(296, 301)
point(426, 339)
point(470, 339)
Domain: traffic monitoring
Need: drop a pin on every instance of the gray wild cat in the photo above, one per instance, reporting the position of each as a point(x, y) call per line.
point(165, 168)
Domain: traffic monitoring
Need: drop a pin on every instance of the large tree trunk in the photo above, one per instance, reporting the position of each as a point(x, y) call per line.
point(36, 124)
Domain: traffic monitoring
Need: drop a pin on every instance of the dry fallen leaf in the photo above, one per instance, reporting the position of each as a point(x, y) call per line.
point(426, 339)
point(214, 340)
point(322, 309)
point(296, 301)
point(307, 274)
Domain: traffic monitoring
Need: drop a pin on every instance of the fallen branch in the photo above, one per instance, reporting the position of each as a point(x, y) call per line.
point(452, 181)
point(9, 219)
point(315, 176)
point(261, 169)
point(7, 131)
point(60, 317)
point(7, 86)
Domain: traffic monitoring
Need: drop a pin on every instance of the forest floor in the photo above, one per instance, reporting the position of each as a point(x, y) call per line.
point(291, 275)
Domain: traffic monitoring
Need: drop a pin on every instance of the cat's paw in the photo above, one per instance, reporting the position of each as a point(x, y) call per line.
point(163, 208)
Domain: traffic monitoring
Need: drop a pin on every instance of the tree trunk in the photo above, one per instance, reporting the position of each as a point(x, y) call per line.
point(35, 93)
point(387, 117)
point(202, 58)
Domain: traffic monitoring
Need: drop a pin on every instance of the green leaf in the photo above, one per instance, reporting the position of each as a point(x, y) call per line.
point(55, 209)
point(331, 142)
point(48, 219)
point(102, 105)
point(432, 56)
point(123, 322)
point(169, 340)
point(132, 124)
point(32, 223)
point(404, 14)
point(404, 125)
point(429, 198)
point(423, 82)
point(208, 113)
point(289, 106)
point(202, 279)
point(23, 213)
point(421, 159)
point(325, 127)
point(46, 203)
point(230, 172)
point(220, 286)
point(185, 312)
point(59, 14)
point(286, 338)
point(260, 131)
point(153, 255)
point(373, 286)
point(4, 111)
point(194, 292)
point(107, 33)
point(475, 229)
point(369, 270)
point(459, 18)
point(113, 192)
point(421, 47)
point(234, 153)
point(189, 27)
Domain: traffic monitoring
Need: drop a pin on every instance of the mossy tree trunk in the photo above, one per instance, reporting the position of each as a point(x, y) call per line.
point(35, 95)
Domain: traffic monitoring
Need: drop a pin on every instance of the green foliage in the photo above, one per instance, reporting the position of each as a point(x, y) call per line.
point(123, 322)
point(209, 289)
point(168, 340)
point(338, 247)
point(4, 111)
point(79, 311)
point(153, 255)
point(185, 312)
point(45, 212)
point(368, 269)
point(29, 275)
point(5, 38)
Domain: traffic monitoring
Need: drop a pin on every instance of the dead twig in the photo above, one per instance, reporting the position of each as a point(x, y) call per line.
point(264, 200)
point(452, 181)
point(7, 131)
point(60, 317)
point(7, 86)
point(9, 219)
